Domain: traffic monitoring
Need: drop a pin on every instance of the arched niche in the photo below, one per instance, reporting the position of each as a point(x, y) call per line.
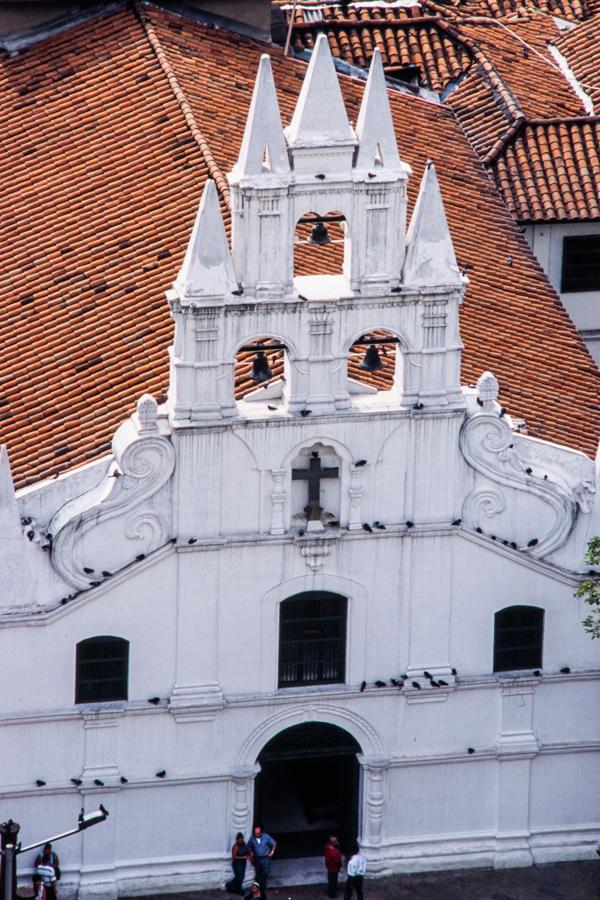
point(321, 243)
point(262, 370)
point(375, 363)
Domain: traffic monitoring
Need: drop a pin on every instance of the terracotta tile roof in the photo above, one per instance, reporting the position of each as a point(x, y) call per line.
point(102, 171)
point(403, 35)
point(551, 171)
point(581, 47)
point(521, 83)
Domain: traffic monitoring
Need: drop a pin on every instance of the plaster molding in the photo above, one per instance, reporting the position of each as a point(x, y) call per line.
point(144, 462)
point(490, 447)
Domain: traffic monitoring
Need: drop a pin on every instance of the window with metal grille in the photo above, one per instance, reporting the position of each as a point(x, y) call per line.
point(312, 639)
point(102, 669)
point(518, 638)
point(581, 264)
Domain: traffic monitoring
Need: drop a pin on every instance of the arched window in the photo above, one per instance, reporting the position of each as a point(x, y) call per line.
point(260, 370)
point(518, 638)
point(320, 244)
point(312, 639)
point(101, 669)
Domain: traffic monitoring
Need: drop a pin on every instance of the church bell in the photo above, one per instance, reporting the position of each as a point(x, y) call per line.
point(319, 235)
point(260, 368)
point(371, 361)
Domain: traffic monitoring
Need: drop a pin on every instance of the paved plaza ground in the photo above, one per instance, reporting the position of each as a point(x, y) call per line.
point(560, 881)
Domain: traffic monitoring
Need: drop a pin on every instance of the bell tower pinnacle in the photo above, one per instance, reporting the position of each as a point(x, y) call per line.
point(315, 170)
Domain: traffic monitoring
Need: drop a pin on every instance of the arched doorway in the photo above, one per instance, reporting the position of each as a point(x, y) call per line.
point(307, 788)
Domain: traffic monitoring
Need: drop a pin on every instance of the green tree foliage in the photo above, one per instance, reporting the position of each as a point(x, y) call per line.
point(589, 589)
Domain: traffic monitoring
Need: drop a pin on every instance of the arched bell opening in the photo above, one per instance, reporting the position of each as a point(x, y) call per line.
point(261, 371)
point(319, 243)
point(375, 363)
point(308, 788)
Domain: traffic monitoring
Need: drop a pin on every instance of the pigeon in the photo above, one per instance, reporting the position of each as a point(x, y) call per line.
point(513, 545)
point(116, 474)
point(493, 537)
point(107, 574)
point(532, 543)
point(161, 774)
point(367, 527)
point(123, 780)
point(537, 673)
point(454, 672)
point(479, 401)
point(509, 261)
point(565, 670)
point(528, 470)
point(300, 297)
point(26, 520)
point(94, 583)
point(409, 524)
point(140, 557)
point(502, 412)
point(395, 682)
point(416, 685)
point(456, 522)
point(98, 782)
point(360, 462)
point(87, 570)
point(64, 600)
point(545, 478)
point(470, 749)
point(173, 540)
point(154, 700)
point(428, 675)
point(40, 783)
point(31, 534)
point(238, 292)
point(372, 174)
point(320, 176)
point(301, 532)
point(442, 683)
point(363, 685)
point(379, 683)
point(305, 412)
point(419, 406)
point(433, 682)
point(380, 526)
point(396, 290)
point(76, 781)
point(479, 530)
point(192, 540)
point(272, 408)
point(334, 523)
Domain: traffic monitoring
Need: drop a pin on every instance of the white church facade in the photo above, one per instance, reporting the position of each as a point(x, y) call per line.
point(322, 605)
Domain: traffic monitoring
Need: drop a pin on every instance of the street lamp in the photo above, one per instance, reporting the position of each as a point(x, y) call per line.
point(9, 849)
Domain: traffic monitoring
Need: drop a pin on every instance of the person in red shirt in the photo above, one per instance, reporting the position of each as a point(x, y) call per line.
point(333, 864)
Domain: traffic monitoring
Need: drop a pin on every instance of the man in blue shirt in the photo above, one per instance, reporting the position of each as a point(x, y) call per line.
point(261, 847)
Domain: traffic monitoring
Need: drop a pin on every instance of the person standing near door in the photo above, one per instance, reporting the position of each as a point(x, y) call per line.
point(333, 864)
point(261, 847)
point(356, 868)
point(239, 856)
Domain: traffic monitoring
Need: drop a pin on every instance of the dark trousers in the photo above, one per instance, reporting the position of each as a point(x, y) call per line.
point(235, 886)
point(332, 880)
point(354, 882)
point(262, 869)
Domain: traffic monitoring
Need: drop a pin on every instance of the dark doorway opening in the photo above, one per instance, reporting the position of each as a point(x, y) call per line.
point(307, 789)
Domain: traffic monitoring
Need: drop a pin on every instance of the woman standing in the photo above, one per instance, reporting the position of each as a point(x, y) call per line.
point(239, 857)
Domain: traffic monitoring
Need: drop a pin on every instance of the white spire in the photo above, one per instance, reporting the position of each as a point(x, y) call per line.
point(263, 136)
point(320, 118)
point(375, 128)
point(15, 578)
point(430, 258)
point(207, 270)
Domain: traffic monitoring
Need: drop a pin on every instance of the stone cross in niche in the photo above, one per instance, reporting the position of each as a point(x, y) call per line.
point(313, 475)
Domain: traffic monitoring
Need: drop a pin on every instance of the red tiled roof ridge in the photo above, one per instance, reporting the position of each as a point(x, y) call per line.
point(184, 104)
point(523, 122)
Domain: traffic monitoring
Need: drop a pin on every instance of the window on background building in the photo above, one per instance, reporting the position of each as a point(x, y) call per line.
point(518, 638)
point(312, 639)
point(101, 669)
point(581, 264)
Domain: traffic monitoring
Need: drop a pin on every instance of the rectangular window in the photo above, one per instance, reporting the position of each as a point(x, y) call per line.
point(518, 638)
point(312, 640)
point(581, 264)
point(102, 668)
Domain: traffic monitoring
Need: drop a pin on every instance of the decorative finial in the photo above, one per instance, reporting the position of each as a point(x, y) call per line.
point(263, 146)
point(430, 258)
point(147, 412)
point(488, 389)
point(375, 128)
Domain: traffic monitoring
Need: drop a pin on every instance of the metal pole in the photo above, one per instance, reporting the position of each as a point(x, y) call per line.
point(8, 869)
